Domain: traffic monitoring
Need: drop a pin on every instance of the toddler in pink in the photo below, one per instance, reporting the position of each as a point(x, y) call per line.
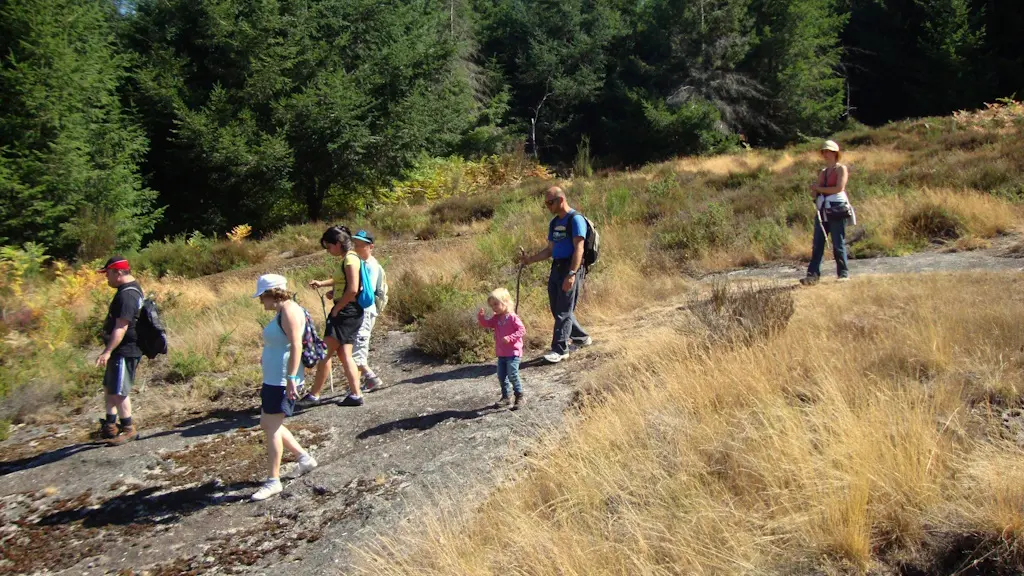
point(508, 344)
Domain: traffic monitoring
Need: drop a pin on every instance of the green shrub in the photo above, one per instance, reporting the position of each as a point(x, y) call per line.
point(770, 236)
point(195, 256)
point(708, 229)
point(412, 298)
point(465, 209)
point(434, 230)
point(400, 220)
point(933, 223)
point(185, 366)
point(453, 335)
point(5, 429)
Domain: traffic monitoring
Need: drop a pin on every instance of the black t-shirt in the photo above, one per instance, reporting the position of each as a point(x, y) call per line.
point(126, 305)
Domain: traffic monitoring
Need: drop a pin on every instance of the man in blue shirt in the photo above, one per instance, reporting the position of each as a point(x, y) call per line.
point(566, 234)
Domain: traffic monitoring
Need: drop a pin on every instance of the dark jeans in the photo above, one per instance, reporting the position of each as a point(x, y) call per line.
point(563, 306)
point(837, 230)
point(508, 375)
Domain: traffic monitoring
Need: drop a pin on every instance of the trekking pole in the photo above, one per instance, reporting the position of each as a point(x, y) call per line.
point(330, 373)
point(519, 276)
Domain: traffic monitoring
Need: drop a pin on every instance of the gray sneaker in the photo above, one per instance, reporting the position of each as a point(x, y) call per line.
point(371, 384)
point(554, 357)
point(810, 280)
point(583, 343)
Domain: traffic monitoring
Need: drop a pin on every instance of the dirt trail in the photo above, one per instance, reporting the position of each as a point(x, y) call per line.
point(175, 502)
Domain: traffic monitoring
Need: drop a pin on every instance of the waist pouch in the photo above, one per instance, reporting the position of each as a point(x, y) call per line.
point(837, 210)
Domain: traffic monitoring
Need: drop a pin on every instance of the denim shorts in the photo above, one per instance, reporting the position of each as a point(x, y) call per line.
point(274, 400)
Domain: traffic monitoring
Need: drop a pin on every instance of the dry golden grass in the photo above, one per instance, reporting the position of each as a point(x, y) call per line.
point(851, 436)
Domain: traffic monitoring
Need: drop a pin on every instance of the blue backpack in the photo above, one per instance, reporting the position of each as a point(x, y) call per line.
point(365, 298)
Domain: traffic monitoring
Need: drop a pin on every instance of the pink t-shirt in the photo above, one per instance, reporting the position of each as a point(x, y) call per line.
point(508, 333)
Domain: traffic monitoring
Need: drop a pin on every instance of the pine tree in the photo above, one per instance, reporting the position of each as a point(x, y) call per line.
point(68, 154)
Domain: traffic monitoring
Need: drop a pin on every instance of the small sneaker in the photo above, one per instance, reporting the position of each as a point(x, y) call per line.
point(351, 400)
point(108, 430)
point(270, 487)
point(503, 402)
point(305, 465)
point(371, 383)
point(519, 402)
point(843, 279)
point(308, 401)
point(584, 343)
point(810, 280)
point(554, 357)
point(127, 434)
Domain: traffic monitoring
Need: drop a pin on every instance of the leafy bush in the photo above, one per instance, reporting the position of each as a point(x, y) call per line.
point(708, 229)
point(195, 256)
point(770, 236)
point(465, 209)
point(453, 335)
point(933, 223)
point(185, 366)
point(412, 298)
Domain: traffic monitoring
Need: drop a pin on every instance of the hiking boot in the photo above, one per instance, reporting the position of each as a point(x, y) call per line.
point(270, 487)
point(371, 383)
point(108, 430)
point(810, 280)
point(503, 402)
point(351, 400)
point(127, 434)
point(308, 401)
point(519, 402)
point(554, 357)
point(305, 465)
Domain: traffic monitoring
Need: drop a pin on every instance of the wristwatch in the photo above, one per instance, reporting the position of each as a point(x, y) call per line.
point(571, 273)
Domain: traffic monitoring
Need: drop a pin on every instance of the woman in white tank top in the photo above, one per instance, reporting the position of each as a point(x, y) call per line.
point(833, 209)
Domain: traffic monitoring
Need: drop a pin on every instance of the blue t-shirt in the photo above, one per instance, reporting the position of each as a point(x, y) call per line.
point(559, 234)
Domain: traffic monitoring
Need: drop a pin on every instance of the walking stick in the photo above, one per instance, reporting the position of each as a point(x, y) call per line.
point(330, 373)
point(519, 276)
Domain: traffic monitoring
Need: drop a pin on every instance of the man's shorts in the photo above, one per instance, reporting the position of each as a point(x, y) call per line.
point(274, 400)
point(344, 328)
point(361, 348)
point(120, 375)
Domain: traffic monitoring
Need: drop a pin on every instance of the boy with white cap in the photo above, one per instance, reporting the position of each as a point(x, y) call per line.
point(363, 246)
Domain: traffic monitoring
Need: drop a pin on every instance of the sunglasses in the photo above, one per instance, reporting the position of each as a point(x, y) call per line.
point(551, 201)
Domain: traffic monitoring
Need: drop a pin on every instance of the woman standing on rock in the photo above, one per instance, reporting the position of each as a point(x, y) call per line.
point(282, 377)
point(344, 320)
point(833, 210)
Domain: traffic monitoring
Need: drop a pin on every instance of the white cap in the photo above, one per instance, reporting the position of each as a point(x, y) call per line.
point(269, 282)
point(830, 145)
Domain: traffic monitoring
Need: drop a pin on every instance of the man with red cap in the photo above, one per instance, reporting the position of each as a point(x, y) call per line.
point(121, 355)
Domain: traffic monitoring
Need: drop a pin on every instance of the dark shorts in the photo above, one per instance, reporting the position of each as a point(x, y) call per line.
point(344, 327)
point(274, 400)
point(120, 375)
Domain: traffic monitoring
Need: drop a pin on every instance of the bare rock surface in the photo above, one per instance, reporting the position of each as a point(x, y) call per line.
point(176, 501)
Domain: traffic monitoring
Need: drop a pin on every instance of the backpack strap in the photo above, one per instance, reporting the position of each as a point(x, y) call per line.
point(141, 294)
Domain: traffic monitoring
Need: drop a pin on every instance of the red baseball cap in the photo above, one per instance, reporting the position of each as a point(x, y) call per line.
point(116, 263)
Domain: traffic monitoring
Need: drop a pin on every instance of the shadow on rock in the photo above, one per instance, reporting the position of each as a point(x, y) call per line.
point(30, 462)
point(461, 373)
point(423, 422)
point(147, 507)
point(211, 423)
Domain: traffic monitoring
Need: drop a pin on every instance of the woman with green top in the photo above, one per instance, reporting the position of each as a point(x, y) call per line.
point(282, 378)
point(344, 320)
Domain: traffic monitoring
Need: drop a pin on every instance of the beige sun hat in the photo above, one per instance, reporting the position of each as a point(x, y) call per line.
point(830, 145)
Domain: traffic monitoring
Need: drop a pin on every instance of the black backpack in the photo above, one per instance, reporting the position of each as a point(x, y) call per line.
point(149, 330)
point(591, 244)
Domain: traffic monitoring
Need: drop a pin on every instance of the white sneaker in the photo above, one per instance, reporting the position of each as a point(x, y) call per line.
point(554, 357)
point(583, 343)
point(306, 466)
point(271, 487)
